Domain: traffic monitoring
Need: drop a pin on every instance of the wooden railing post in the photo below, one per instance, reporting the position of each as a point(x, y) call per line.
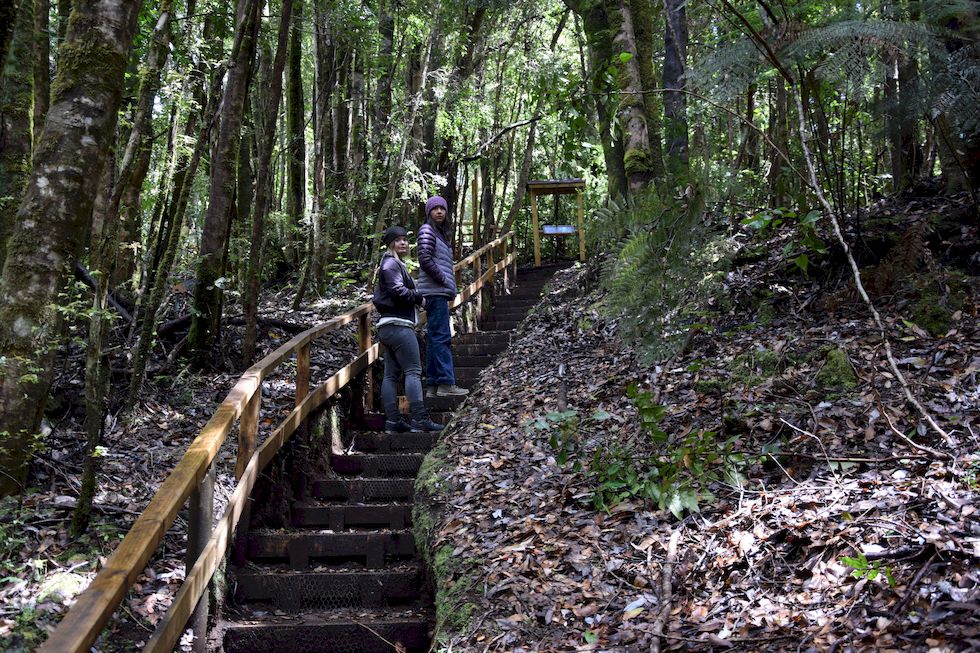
point(363, 344)
point(478, 308)
point(201, 508)
point(302, 373)
point(248, 431)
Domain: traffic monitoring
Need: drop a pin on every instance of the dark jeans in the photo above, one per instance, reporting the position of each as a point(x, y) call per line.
point(438, 337)
point(401, 357)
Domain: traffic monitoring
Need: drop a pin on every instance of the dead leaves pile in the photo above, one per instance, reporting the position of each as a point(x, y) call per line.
point(842, 537)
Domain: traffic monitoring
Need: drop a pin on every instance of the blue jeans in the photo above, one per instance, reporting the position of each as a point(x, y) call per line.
point(401, 357)
point(438, 338)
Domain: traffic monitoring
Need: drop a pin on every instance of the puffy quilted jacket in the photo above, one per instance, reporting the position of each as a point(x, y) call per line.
point(436, 276)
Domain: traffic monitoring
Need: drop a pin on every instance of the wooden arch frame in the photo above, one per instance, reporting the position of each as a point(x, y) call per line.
point(556, 187)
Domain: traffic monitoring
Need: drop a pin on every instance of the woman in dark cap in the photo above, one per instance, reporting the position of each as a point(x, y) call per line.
point(396, 299)
point(437, 283)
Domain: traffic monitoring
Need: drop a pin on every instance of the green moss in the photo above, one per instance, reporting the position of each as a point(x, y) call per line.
point(92, 66)
point(837, 372)
point(766, 314)
point(637, 160)
point(933, 308)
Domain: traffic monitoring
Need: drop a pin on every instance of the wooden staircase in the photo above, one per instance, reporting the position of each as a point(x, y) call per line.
point(345, 575)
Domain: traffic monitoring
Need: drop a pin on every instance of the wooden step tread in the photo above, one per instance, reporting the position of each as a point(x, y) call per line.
point(364, 631)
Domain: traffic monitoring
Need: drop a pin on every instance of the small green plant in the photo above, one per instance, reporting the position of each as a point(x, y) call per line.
point(870, 569)
point(805, 239)
point(564, 440)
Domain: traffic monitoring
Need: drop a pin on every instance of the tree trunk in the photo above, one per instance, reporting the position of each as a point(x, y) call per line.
point(16, 116)
point(675, 102)
point(296, 130)
point(53, 214)
point(96, 364)
point(396, 169)
point(42, 64)
point(136, 158)
point(643, 14)
point(208, 294)
point(170, 228)
point(598, 34)
point(8, 17)
point(266, 137)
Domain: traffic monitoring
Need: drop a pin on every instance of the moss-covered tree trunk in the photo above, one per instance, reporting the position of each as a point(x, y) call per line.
point(267, 121)
point(675, 102)
point(637, 158)
point(208, 294)
point(53, 215)
point(16, 119)
point(644, 16)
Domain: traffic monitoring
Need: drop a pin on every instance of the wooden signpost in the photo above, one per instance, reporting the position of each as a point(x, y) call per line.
point(557, 187)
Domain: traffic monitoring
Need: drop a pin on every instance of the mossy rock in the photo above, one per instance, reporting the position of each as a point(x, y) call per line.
point(62, 587)
point(932, 308)
point(837, 372)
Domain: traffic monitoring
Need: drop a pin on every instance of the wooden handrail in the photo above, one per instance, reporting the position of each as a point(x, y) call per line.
point(91, 611)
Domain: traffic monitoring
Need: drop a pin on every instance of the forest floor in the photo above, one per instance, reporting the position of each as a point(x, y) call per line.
point(829, 516)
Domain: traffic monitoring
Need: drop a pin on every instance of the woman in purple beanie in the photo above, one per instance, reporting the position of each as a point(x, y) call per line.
point(437, 283)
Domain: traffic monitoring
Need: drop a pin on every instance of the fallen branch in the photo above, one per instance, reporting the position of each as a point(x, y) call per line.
point(907, 440)
point(856, 273)
point(666, 590)
point(85, 277)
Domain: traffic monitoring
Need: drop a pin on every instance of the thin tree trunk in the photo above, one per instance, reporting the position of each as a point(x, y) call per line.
point(8, 17)
point(171, 221)
point(101, 261)
point(296, 133)
point(396, 169)
point(675, 103)
point(266, 138)
point(16, 117)
point(42, 64)
point(52, 218)
point(208, 295)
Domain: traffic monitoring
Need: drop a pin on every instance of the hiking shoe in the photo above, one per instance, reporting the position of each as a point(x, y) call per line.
point(421, 421)
point(430, 392)
point(451, 391)
point(399, 426)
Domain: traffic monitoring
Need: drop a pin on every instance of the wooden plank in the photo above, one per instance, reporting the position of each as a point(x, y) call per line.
point(534, 229)
point(248, 431)
point(302, 373)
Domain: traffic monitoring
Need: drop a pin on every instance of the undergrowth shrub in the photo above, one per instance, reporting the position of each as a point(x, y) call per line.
point(672, 471)
point(665, 270)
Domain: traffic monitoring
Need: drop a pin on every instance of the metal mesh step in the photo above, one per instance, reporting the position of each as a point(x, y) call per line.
point(301, 548)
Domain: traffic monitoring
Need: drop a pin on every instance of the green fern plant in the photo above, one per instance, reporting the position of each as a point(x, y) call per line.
point(666, 270)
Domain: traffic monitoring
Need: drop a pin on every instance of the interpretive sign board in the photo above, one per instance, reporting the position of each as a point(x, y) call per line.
point(559, 229)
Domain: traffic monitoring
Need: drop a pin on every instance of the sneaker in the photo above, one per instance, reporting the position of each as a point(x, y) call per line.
point(426, 425)
point(451, 391)
point(430, 392)
point(399, 426)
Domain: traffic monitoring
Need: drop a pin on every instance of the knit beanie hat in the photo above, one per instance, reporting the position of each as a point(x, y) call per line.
point(393, 232)
point(433, 202)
